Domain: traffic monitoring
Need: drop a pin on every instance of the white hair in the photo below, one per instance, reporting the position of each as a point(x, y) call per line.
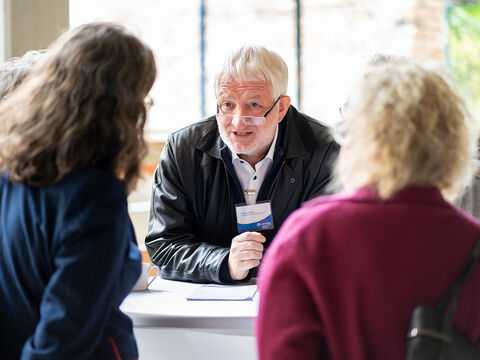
point(255, 62)
point(14, 70)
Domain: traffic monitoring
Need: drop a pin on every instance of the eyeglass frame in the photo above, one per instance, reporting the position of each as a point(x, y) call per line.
point(264, 117)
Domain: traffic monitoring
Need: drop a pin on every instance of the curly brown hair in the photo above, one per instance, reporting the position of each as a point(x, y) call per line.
point(82, 105)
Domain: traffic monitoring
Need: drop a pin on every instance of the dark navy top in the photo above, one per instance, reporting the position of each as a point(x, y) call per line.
point(68, 257)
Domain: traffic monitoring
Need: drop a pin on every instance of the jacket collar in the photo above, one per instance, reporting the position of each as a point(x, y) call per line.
point(294, 136)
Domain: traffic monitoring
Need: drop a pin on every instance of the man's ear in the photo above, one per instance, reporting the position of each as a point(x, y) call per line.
point(283, 105)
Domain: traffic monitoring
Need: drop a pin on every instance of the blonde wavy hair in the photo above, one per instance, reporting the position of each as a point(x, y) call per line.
point(81, 105)
point(406, 126)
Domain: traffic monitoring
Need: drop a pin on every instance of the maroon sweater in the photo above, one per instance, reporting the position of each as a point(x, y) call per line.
point(344, 272)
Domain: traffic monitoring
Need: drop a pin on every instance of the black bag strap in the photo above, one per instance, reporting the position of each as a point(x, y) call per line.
point(451, 297)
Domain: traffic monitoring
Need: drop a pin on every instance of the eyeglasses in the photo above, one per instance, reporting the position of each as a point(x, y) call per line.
point(227, 119)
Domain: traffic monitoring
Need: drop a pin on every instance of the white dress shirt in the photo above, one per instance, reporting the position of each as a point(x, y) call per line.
point(251, 179)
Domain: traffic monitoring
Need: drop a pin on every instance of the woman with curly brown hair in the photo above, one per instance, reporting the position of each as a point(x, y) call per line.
point(71, 143)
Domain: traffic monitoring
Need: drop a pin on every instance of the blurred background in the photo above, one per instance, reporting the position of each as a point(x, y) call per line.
point(325, 44)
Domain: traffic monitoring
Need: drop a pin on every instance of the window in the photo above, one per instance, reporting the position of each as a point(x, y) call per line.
point(336, 38)
point(464, 48)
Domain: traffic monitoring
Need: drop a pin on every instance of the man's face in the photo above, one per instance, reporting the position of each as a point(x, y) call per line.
point(248, 98)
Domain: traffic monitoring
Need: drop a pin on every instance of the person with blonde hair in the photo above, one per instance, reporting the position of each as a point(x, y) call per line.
point(258, 155)
point(71, 143)
point(345, 271)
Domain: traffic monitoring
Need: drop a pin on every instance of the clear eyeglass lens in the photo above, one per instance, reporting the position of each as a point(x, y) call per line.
point(247, 120)
point(255, 111)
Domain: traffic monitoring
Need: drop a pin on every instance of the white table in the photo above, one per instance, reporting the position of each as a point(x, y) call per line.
point(167, 326)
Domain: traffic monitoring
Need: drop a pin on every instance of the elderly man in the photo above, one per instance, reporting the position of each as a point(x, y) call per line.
point(226, 184)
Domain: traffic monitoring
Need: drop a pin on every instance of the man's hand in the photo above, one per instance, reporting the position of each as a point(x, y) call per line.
point(245, 254)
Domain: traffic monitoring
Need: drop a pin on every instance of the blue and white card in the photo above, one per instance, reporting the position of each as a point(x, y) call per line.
point(254, 217)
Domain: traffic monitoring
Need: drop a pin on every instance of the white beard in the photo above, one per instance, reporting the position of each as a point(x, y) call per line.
point(263, 139)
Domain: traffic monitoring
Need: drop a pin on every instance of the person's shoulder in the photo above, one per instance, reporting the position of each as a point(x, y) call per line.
point(315, 214)
point(324, 205)
point(306, 230)
point(186, 142)
point(196, 131)
point(316, 135)
point(90, 182)
point(321, 131)
point(317, 126)
point(326, 201)
point(3, 177)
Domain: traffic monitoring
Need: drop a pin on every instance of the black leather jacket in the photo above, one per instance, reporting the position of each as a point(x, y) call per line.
point(195, 189)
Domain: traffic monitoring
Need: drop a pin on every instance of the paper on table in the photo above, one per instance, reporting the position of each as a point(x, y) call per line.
point(223, 292)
